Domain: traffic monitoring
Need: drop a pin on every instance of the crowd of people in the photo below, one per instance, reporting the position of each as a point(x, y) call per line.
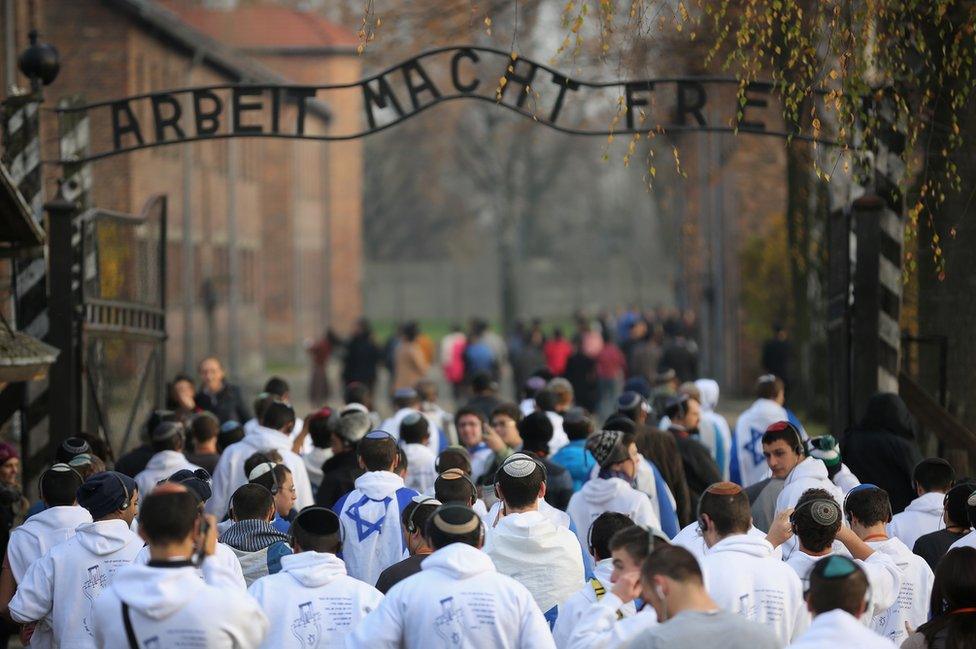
point(527, 523)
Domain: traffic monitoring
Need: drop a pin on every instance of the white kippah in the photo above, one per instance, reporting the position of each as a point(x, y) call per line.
point(519, 465)
point(260, 470)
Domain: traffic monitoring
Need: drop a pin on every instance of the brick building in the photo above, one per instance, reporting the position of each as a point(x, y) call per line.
point(264, 239)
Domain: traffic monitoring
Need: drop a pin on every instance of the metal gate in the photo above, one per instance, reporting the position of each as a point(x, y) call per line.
point(114, 274)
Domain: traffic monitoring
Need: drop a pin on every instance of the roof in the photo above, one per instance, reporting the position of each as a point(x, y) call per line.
point(268, 28)
point(168, 25)
point(18, 229)
point(23, 358)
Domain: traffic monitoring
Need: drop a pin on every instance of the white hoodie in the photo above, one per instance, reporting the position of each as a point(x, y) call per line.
point(968, 541)
point(912, 605)
point(175, 607)
point(229, 474)
point(558, 517)
point(743, 577)
point(811, 473)
point(312, 601)
point(63, 584)
point(922, 516)
point(749, 428)
point(458, 599)
point(161, 466)
point(600, 495)
point(252, 424)
point(223, 556)
point(370, 517)
point(420, 468)
point(599, 628)
point(720, 436)
point(33, 539)
point(40, 533)
point(580, 602)
point(691, 539)
point(884, 579)
point(544, 558)
point(839, 628)
point(392, 426)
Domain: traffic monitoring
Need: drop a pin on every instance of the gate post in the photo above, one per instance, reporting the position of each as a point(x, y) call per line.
point(65, 386)
point(839, 320)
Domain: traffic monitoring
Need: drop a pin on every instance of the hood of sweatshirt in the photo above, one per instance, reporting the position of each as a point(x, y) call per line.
point(744, 544)
point(601, 491)
point(709, 393)
point(378, 484)
point(313, 569)
point(893, 547)
point(530, 530)
point(930, 503)
point(809, 469)
point(459, 561)
point(104, 537)
point(263, 438)
point(167, 462)
point(886, 412)
point(765, 410)
point(53, 519)
point(157, 592)
point(602, 571)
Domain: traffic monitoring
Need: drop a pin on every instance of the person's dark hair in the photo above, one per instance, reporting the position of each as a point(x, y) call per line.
point(814, 534)
point(536, 432)
point(453, 524)
point(954, 589)
point(321, 428)
point(403, 463)
point(278, 415)
point(545, 399)
point(468, 412)
point(785, 432)
point(933, 474)
point(205, 426)
point(253, 460)
point(634, 540)
point(450, 487)
point(827, 593)
point(519, 492)
point(410, 331)
point(277, 386)
point(453, 457)
point(261, 404)
point(673, 562)
point(377, 453)
point(356, 392)
point(251, 501)
point(414, 429)
point(58, 486)
point(276, 475)
point(620, 422)
point(577, 426)
point(171, 402)
point(172, 442)
point(869, 506)
point(769, 387)
point(508, 409)
point(602, 530)
point(418, 514)
point(730, 512)
point(316, 535)
point(229, 436)
point(71, 448)
point(168, 517)
point(957, 504)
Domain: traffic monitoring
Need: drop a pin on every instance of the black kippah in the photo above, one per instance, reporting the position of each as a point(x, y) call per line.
point(317, 520)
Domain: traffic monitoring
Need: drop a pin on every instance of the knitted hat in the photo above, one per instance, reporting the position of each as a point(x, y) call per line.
point(827, 449)
point(198, 482)
point(106, 492)
point(607, 447)
point(167, 430)
point(519, 465)
point(7, 453)
point(70, 448)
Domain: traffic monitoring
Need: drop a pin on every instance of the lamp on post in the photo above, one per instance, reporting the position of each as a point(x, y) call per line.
point(40, 63)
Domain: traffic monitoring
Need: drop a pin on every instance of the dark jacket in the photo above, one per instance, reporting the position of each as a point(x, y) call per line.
point(700, 469)
point(362, 358)
point(882, 450)
point(661, 449)
point(339, 475)
point(559, 484)
point(228, 404)
point(135, 460)
point(934, 545)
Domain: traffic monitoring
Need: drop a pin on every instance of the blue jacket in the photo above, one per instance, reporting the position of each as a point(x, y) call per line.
point(577, 460)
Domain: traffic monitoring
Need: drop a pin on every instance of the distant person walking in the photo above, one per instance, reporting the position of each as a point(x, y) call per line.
point(410, 364)
point(362, 356)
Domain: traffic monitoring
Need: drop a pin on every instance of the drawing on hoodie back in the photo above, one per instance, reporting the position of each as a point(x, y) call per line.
point(448, 623)
point(308, 627)
point(91, 588)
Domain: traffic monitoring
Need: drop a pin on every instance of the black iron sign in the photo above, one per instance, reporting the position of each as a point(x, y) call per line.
point(398, 93)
